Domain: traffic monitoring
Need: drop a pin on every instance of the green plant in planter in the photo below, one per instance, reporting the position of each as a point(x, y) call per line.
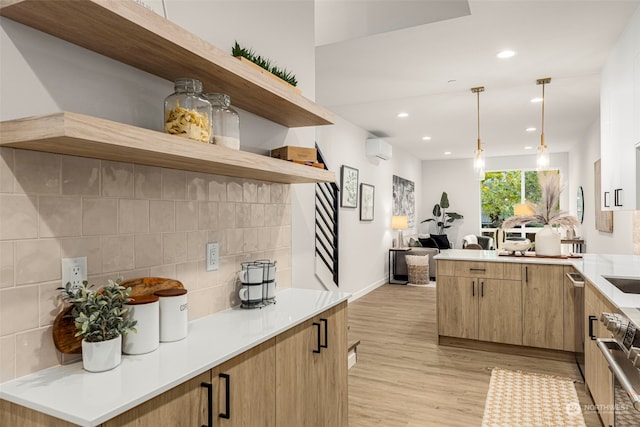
point(99, 315)
point(265, 63)
point(441, 217)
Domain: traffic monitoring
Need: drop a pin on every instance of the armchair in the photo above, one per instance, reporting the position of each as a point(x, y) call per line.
point(485, 242)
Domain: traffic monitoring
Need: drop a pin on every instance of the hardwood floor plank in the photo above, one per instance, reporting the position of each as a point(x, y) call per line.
point(404, 378)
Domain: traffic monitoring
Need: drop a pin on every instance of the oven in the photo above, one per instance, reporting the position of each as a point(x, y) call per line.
point(622, 353)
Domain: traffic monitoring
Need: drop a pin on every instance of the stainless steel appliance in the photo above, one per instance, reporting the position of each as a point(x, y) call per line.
point(622, 353)
point(578, 303)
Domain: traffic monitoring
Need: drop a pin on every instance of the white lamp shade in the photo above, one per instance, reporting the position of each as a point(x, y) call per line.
point(399, 222)
point(522, 210)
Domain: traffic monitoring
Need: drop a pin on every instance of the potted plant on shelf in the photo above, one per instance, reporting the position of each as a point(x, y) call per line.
point(100, 319)
point(443, 221)
point(546, 212)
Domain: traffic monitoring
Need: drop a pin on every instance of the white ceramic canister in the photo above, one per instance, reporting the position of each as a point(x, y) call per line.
point(146, 311)
point(173, 314)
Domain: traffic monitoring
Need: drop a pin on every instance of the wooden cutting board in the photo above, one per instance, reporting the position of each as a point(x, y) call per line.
point(64, 328)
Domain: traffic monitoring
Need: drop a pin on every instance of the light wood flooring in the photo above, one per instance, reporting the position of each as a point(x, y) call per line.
point(403, 378)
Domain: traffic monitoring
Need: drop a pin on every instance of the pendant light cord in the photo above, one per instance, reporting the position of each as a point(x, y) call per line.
point(479, 144)
point(542, 133)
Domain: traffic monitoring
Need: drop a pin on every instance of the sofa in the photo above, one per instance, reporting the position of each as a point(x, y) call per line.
point(401, 262)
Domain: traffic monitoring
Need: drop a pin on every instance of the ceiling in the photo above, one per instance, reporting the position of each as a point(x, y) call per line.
point(423, 57)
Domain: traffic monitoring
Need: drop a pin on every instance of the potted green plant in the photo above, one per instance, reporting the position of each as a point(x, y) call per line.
point(548, 213)
point(100, 319)
point(443, 220)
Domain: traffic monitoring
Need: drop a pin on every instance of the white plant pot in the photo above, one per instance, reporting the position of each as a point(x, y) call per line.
point(101, 356)
point(548, 242)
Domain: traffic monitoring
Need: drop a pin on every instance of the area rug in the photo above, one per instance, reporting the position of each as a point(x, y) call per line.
point(518, 398)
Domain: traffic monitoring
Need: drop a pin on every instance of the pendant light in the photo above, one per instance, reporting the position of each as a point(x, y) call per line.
point(478, 161)
point(542, 162)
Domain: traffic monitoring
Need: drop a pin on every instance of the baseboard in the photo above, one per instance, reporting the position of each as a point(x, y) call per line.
point(518, 350)
point(370, 288)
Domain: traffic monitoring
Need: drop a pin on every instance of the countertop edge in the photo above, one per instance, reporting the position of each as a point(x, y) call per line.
point(119, 408)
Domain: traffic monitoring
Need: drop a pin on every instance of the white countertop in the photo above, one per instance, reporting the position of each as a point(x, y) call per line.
point(591, 266)
point(88, 399)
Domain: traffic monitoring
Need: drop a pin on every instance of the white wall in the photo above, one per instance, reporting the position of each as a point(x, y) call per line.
point(364, 245)
point(457, 179)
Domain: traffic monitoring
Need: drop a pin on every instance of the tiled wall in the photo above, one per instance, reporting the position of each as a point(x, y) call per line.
point(130, 221)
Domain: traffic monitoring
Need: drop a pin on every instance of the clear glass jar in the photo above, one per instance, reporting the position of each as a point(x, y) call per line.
point(226, 122)
point(187, 112)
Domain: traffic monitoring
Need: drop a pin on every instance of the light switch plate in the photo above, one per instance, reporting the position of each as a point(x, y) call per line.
point(212, 256)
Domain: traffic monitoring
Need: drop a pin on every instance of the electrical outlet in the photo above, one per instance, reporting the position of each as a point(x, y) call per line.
point(74, 271)
point(212, 255)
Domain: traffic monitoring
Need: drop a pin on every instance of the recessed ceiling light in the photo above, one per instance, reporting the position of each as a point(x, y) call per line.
point(532, 129)
point(402, 115)
point(536, 100)
point(528, 147)
point(426, 138)
point(505, 54)
point(446, 153)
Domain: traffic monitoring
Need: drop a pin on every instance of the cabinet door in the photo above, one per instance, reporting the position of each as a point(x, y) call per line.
point(244, 392)
point(500, 311)
point(542, 295)
point(332, 370)
point(295, 380)
point(182, 406)
point(570, 313)
point(458, 307)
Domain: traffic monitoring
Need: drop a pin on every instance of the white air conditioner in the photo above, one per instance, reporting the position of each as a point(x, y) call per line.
point(379, 148)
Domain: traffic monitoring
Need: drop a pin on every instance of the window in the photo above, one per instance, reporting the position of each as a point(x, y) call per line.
point(501, 190)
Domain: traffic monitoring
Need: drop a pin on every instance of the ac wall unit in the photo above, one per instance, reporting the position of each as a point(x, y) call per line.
point(379, 148)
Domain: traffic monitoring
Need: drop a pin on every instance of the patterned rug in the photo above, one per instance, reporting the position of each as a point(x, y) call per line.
point(518, 398)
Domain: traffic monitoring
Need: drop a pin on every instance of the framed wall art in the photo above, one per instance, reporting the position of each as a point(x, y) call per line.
point(404, 199)
point(348, 187)
point(367, 193)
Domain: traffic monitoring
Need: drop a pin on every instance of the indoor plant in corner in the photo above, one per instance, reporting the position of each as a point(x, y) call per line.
point(548, 213)
point(100, 319)
point(443, 220)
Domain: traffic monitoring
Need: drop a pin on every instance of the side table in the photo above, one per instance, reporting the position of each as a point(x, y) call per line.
point(393, 279)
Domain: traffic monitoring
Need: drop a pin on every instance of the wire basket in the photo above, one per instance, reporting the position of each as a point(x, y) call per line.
point(418, 269)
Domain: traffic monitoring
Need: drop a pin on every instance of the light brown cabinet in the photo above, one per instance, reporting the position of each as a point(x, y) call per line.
point(311, 372)
point(542, 308)
point(475, 302)
point(597, 374)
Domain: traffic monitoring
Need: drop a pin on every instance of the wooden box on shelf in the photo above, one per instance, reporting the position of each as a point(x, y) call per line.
point(301, 154)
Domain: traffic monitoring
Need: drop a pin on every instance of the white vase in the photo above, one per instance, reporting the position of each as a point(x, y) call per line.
point(103, 355)
point(548, 242)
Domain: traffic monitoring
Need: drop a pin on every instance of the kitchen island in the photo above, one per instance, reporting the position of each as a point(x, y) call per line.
point(263, 350)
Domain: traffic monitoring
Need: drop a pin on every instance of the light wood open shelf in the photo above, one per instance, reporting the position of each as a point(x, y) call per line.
point(85, 136)
point(130, 33)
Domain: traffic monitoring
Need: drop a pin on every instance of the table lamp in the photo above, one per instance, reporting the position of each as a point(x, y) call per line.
point(523, 209)
point(399, 223)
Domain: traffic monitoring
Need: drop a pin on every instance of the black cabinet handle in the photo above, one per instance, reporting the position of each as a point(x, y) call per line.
point(526, 275)
point(473, 288)
point(591, 335)
point(616, 197)
point(482, 289)
point(326, 333)
point(478, 269)
point(317, 350)
point(227, 393)
point(209, 388)
point(606, 199)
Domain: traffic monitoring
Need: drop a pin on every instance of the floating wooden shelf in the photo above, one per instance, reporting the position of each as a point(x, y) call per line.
point(130, 33)
point(85, 136)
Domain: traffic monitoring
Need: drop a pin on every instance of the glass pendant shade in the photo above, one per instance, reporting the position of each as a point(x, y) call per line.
point(478, 164)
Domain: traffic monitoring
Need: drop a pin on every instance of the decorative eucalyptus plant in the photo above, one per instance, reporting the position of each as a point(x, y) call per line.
point(99, 315)
point(265, 63)
point(547, 211)
point(441, 217)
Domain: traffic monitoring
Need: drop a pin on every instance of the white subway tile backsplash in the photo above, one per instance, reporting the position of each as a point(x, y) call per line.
point(162, 216)
point(60, 216)
point(99, 216)
point(117, 179)
point(37, 261)
point(227, 215)
point(148, 250)
point(234, 191)
point(133, 216)
point(186, 216)
point(80, 176)
point(18, 217)
point(196, 245)
point(270, 215)
point(166, 270)
point(84, 246)
point(7, 358)
point(235, 241)
point(207, 215)
point(200, 303)
point(34, 351)
point(133, 274)
point(217, 188)
point(197, 186)
point(147, 182)
point(174, 247)
point(250, 240)
point(50, 302)
point(257, 215)
point(250, 192)
point(6, 170)
point(36, 172)
point(187, 274)
point(6, 264)
point(243, 215)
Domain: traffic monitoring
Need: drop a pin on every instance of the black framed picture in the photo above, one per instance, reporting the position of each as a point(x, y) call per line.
point(367, 193)
point(348, 187)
